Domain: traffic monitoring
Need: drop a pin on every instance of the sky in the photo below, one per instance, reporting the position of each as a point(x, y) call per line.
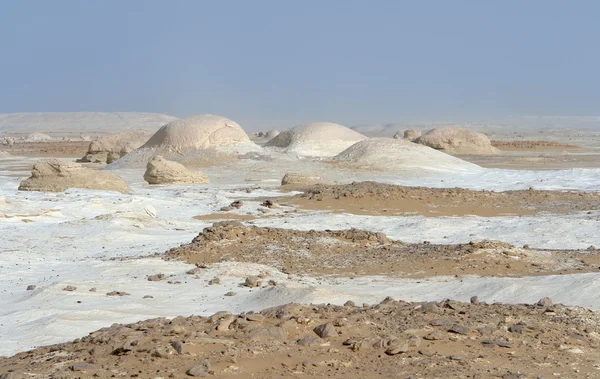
point(264, 61)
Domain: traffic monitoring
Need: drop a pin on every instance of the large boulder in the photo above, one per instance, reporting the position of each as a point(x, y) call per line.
point(161, 171)
point(293, 179)
point(460, 141)
point(203, 140)
point(387, 154)
point(108, 149)
point(53, 175)
point(316, 139)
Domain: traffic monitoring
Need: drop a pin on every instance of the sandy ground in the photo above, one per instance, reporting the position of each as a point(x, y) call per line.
point(74, 149)
point(354, 252)
point(371, 198)
point(390, 339)
point(525, 145)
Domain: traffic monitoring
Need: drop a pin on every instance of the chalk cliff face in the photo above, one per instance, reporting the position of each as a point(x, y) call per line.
point(53, 175)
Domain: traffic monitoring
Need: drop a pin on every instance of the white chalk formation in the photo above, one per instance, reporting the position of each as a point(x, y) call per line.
point(316, 139)
point(460, 141)
point(53, 175)
point(162, 171)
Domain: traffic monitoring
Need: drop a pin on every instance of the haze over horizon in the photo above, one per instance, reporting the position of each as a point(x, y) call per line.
point(265, 62)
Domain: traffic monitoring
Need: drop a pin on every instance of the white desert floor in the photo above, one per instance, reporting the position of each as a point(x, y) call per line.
point(108, 241)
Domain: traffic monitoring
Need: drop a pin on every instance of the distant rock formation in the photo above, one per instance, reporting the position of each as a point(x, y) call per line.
point(53, 175)
point(202, 140)
point(109, 148)
point(317, 139)
point(460, 141)
point(161, 171)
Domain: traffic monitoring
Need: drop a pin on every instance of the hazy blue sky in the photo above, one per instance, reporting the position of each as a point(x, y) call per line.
point(345, 61)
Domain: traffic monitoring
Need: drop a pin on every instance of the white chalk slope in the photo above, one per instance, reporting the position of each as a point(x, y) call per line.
point(396, 154)
point(316, 139)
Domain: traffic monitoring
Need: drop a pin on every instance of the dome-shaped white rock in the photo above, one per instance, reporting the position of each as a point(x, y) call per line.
point(317, 139)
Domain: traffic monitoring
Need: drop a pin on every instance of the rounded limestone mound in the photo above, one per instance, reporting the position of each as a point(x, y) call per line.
point(460, 141)
point(203, 140)
point(53, 175)
point(316, 139)
point(162, 171)
point(108, 149)
point(398, 154)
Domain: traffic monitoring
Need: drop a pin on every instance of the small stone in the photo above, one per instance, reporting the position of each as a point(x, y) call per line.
point(349, 303)
point(436, 335)
point(308, 341)
point(93, 289)
point(156, 277)
point(31, 287)
point(403, 348)
point(485, 331)
point(162, 352)
point(230, 293)
point(200, 370)
point(257, 317)
point(460, 329)
point(224, 324)
point(326, 330)
point(214, 281)
point(194, 271)
point(518, 328)
point(178, 346)
point(236, 204)
point(148, 297)
point(429, 307)
point(178, 329)
point(117, 293)
point(252, 281)
point(82, 367)
point(219, 315)
point(474, 300)
point(545, 302)
point(414, 341)
point(490, 343)
point(70, 288)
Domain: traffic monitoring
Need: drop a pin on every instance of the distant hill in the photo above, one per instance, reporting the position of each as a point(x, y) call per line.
point(75, 123)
